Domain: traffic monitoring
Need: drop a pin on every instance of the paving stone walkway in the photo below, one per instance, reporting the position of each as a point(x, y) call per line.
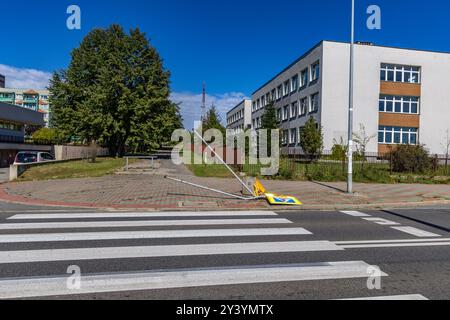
point(148, 188)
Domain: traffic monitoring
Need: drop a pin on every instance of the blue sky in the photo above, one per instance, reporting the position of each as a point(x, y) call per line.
point(235, 46)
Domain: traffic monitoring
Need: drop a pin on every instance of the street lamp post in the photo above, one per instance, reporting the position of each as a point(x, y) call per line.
point(350, 110)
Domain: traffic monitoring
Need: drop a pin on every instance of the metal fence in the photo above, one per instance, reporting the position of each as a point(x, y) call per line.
point(333, 167)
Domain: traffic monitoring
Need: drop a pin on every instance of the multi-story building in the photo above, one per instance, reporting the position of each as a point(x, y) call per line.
point(2, 81)
point(13, 120)
point(401, 96)
point(37, 100)
point(239, 118)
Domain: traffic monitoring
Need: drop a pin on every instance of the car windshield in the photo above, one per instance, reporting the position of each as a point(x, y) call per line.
point(26, 157)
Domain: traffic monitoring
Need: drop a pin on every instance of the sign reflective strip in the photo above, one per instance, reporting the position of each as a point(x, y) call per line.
point(416, 232)
point(355, 214)
point(95, 215)
point(405, 297)
point(41, 287)
point(142, 223)
point(169, 234)
point(27, 256)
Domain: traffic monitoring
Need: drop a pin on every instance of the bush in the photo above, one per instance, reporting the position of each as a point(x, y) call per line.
point(338, 152)
point(45, 136)
point(410, 158)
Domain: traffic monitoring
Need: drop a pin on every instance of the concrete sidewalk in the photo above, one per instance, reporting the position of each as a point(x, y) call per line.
point(152, 191)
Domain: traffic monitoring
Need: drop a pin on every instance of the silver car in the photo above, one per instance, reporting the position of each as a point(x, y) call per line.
point(26, 157)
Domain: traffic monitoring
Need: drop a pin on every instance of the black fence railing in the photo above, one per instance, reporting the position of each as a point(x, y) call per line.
point(370, 167)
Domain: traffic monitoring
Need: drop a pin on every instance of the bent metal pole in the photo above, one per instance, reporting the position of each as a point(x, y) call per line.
point(214, 190)
point(224, 163)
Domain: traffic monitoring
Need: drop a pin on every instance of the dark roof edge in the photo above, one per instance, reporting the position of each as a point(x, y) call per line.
point(289, 66)
point(342, 42)
point(242, 101)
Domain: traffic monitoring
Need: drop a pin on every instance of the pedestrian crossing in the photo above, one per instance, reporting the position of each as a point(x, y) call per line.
point(39, 239)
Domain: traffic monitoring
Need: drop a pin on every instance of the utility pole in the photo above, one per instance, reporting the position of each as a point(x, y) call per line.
point(351, 101)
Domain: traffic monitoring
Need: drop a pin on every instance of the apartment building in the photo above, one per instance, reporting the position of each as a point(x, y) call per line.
point(401, 96)
point(2, 81)
point(239, 118)
point(37, 100)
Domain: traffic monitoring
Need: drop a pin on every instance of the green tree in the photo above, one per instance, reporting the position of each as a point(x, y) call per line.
point(115, 92)
point(213, 121)
point(311, 138)
point(269, 122)
point(269, 119)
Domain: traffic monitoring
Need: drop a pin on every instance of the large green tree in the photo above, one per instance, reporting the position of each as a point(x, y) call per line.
point(116, 92)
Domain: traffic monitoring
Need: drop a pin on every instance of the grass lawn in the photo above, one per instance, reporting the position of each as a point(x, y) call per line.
point(326, 172)
point(73, 169)
point(215, 170)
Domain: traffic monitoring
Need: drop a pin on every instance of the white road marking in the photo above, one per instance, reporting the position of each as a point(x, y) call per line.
point(88, 236)
point(391, 241)
point(405, 297)
point(40, 287)
point(96, 215)
point(355, 214)
point(395, 245)
point(142, 223)
point(382, 222)
point(416, 232)
point(26, 256)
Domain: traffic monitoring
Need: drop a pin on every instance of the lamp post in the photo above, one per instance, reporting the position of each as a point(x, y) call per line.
point(350, 110)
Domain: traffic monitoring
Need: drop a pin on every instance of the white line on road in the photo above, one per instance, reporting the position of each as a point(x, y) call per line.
point(416, 232)
point(142, 223)
point(382, 222)
point(406, 297)
point(26, 256)
point(355, 214)
point(395, 245)
point(391, 241)
point(40, 287)
point(89, 236)
point(96, 215)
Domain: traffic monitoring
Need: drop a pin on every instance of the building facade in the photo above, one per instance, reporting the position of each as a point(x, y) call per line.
point(239, 118)
point(401, 96)
point(36, 100)
point(2, 81)
point(13, 120)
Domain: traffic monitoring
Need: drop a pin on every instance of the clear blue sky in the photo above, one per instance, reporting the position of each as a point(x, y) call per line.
point(235, 46)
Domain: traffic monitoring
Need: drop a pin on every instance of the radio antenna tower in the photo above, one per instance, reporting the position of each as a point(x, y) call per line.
point(204, 103)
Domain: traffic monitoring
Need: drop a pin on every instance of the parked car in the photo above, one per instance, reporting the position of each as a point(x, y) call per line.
point(25, 157)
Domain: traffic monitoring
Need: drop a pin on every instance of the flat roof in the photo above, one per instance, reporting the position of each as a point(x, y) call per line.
point(18, 114)
point(238, 105)
point(342, 42)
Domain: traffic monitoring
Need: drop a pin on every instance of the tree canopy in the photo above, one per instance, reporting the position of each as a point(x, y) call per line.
point(213, 121)
point(116, 92)
point(311, 138)
point(269, 119)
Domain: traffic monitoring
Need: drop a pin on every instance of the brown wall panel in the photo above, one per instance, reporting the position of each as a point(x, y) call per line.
point(399, 120)
point(400, 89)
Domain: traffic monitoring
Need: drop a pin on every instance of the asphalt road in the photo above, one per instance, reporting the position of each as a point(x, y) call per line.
point(226, 256)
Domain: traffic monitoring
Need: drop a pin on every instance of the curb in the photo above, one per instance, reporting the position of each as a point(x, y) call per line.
point(16, 199)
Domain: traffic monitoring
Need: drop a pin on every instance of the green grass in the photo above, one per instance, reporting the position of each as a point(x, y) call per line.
point(214, 170)
point(73, 169)
point(326, 172)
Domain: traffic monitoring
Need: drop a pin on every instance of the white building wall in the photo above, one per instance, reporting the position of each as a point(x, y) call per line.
point(243, 122)
point(435, 95)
